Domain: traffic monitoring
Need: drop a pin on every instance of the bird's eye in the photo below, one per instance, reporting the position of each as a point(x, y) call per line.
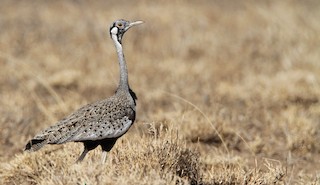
point(120, 25)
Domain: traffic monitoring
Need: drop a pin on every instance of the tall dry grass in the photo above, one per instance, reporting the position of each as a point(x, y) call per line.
point(228, 91)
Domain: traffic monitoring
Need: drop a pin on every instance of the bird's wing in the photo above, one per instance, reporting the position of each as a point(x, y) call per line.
point(96, 121)
point(106, 130)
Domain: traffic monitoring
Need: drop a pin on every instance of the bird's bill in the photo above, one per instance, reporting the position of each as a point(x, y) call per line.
point(134, 24)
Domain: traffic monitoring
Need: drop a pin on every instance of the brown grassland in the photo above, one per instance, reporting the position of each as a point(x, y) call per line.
point(228, 91)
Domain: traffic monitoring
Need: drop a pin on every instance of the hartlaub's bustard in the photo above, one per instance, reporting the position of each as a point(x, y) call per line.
point(99, 123)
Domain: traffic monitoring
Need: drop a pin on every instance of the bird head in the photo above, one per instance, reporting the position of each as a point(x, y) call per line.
point(119, 27)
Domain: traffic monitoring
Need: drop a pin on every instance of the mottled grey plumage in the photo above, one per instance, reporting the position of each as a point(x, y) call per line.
point(101, 122)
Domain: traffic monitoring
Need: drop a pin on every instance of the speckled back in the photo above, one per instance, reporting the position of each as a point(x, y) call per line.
point(109, 118)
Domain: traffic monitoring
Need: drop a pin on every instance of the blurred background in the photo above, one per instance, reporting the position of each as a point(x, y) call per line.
point(235, 76)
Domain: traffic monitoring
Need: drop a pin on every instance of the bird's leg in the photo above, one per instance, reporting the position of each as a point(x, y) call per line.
point(103, 157)
point(106, 146)
point(88, 145)
point(83, 154)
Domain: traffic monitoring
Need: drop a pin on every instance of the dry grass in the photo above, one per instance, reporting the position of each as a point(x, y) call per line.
point(228, 90)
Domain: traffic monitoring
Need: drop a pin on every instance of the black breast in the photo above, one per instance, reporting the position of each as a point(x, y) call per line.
point(133, 95)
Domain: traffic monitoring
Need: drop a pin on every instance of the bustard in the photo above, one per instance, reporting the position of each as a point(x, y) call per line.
point(99, 123)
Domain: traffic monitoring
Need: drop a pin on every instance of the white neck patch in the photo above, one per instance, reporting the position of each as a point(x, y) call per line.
point(114, 30)
point(115, 39)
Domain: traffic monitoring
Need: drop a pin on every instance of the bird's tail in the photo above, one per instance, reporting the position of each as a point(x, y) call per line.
point(35, 144)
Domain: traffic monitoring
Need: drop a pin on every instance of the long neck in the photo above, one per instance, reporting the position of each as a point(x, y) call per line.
point(123, 85)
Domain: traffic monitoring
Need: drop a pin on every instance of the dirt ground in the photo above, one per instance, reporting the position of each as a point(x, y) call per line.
point(228, 91)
